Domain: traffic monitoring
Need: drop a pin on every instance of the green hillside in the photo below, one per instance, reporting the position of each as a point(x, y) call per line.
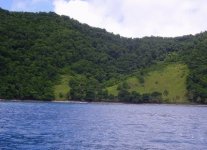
point(62, 89)
point(168, 79)
point(44, 56)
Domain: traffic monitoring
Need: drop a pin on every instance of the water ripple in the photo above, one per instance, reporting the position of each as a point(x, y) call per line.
point(102, 126)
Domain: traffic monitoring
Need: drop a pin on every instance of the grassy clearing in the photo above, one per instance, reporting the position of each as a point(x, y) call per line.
point(61, 90)
point(113, 90)
point(168, 79)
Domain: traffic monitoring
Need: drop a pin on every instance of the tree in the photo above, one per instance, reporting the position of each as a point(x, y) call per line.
point(156, 97)
point(124, 95)
point(135, 97)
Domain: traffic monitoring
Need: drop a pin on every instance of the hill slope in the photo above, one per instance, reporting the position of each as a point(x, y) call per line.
point(167, 79)
point(41, 52)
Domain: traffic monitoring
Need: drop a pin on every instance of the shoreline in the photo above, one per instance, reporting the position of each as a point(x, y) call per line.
point(94, 102)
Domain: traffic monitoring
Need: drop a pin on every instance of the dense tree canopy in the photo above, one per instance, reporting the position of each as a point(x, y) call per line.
point(36, 48)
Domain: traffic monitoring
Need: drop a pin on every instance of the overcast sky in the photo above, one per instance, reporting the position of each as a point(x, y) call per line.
point(129, 18)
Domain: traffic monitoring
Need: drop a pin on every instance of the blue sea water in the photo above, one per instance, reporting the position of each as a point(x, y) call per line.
point(102, 126)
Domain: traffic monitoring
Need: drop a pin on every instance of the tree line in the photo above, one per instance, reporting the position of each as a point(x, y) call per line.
point(37, 48)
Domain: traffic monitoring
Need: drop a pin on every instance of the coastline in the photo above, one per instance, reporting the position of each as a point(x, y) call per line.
point(68, 101)
point(95, 102)
point(42, 101)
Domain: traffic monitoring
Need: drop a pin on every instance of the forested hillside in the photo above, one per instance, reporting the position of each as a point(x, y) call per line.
point(45, 56)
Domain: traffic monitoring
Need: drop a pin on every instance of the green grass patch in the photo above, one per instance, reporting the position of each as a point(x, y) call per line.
point(168, 79)
point(113, 90)
point(62, 89)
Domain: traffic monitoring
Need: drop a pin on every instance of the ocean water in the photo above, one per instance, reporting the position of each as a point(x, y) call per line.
point(104, 126)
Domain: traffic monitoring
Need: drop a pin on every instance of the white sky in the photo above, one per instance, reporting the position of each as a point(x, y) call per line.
point(138, 18)
point(129, 18)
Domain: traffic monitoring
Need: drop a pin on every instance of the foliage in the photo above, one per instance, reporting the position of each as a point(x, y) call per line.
point(135, 97)
point(62, 89)
point(37, 51)
point(83, 88)
point(196, 58)
point(166, 78)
